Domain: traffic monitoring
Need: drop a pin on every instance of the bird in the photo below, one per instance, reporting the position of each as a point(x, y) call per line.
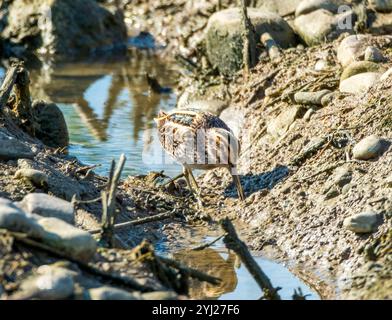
point(199, 140)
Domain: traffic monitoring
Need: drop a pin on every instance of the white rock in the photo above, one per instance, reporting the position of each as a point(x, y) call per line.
point(360, 83)
point(51, 283)
point(368, 148)
point(77, 243)
point(351, 49)
point(12, 218)
point(48, 206)
point(111, 293)
point(321, 26)
point(365, 222)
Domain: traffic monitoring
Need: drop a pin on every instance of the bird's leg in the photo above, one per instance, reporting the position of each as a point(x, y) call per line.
point(174, 179)
point(237, 182)
point(188, 177)
point(192, 177)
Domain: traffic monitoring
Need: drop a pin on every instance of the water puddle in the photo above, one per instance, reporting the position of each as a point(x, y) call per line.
point(237, 282)
point(109, 110)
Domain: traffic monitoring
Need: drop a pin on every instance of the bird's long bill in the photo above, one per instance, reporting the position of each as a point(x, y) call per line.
point(240, 191)
point(161, 118)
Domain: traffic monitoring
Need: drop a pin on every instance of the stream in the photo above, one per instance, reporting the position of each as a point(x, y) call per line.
point(109, 110)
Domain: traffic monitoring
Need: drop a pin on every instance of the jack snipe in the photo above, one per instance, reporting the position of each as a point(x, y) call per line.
point(199, 140)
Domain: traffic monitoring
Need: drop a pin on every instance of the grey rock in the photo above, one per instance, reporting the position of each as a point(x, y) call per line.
point(51, 283)
point(381, 5)
point(310, 98)
point(374, 54)
point(368, 148)
point(160, 295)
point(307, 6)
point(365, 222)
point(36, 177)
point(76, 243)
point(48, 206)
point(111, 293)
point(358, 67)
point(11, 148)
point(321, 25)
point(213, 106)
point(224, 41)
point(66, 28)
point(12, 218)
point(352, 48)
point(52, 129)
point(360, 83)
point(59, 235)
point(282, 7)
point(321, 65)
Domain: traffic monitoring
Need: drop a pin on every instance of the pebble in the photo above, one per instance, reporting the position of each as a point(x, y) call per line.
point(360, 83)
point(51, 283)
point(48, 206)
point(351, 49)
point(365, 222)
point(36, 177)
point(310, 98)
point(309, 114)
point(373, 54)
point(321, 65)
point(368, 148)
point(111, 293)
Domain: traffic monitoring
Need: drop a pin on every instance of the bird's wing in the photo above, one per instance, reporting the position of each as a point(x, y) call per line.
point(179, 141)
point(222, 147)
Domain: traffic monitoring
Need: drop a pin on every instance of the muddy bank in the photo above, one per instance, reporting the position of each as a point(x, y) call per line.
point(306, 172)
point(314, 191)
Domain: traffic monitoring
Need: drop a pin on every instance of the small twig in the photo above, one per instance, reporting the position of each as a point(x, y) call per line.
point(232, 242)
point(113, 278)
point(209, 244)
point(157, 217)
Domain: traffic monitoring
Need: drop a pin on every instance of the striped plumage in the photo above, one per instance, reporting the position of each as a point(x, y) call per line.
point(199, 140)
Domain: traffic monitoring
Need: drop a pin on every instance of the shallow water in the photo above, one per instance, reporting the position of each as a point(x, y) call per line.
point(109, 110)
point(237, 283)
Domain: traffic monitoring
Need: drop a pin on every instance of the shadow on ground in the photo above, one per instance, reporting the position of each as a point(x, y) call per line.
point(255, 182)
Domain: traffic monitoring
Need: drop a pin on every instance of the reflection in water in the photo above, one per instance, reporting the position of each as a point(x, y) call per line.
point(210, 261)
point(237, 282)
point(109, 108)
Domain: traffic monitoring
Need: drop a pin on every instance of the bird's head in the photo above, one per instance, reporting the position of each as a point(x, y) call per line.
point(161, 118)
